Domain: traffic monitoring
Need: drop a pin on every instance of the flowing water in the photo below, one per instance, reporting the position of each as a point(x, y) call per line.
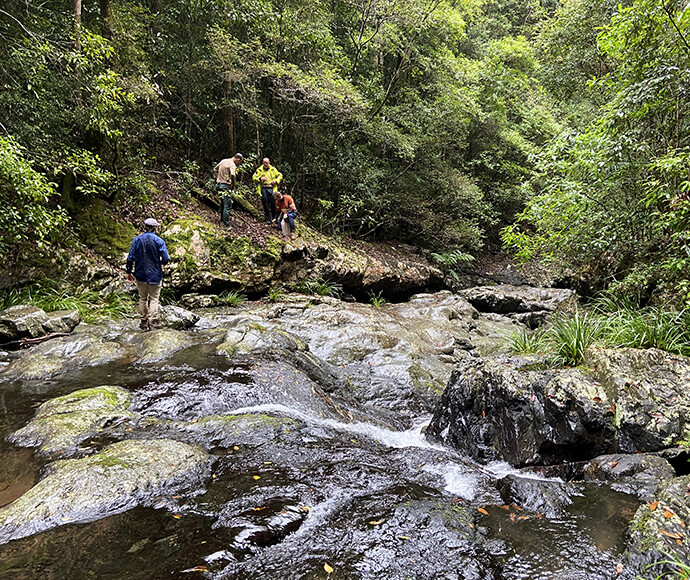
point(321, 488)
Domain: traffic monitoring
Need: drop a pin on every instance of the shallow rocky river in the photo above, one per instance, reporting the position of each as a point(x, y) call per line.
point(279, 441)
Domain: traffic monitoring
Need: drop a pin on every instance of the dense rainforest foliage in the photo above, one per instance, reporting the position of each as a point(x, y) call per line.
point(559, 127)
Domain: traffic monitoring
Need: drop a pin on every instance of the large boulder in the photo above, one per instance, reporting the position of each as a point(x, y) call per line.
point(514, 409)
point(120, 477)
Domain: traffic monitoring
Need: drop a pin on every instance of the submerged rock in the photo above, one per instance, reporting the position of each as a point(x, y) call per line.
point(549, 498)
point(62, 423)
point(509, 408)
point(120, 477)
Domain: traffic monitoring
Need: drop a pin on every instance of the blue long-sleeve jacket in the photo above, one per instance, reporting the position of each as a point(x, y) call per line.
point(147, 254)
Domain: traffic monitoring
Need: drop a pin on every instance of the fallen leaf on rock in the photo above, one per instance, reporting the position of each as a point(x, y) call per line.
point(653, 505)
point(483, 511)
point(328, 568)
point(257, 477)
point(177, 516)
point(504, 507)
point(513, 517)
point(668, 514)
point(375, 522)
point(673, 536)
point(200, 569)
point(619, 568)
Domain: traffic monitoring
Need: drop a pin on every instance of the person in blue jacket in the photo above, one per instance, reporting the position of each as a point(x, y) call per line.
point(147, 255)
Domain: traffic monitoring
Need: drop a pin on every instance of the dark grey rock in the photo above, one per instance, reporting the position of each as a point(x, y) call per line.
point(511, 408)
point(547, 497)
point(640, 474)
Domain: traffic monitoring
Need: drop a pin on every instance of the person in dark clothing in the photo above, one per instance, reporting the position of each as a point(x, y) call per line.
point(147, 255)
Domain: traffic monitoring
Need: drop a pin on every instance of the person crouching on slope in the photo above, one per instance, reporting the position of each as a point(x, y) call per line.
point(285, 210)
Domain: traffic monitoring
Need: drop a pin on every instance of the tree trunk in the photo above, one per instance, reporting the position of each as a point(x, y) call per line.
point(77, 49)
point(229, 119)
point(106, 28)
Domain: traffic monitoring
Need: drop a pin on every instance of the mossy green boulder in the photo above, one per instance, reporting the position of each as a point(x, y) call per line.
point(120, 477)
point(60, 424)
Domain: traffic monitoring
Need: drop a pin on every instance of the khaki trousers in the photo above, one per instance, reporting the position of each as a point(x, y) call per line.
point(148, 301)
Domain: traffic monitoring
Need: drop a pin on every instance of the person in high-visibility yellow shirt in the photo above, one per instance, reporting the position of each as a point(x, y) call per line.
point(267, 179)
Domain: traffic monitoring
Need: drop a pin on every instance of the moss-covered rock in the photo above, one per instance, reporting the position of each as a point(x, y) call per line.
point(120, 477)
point(659, 530)
point(102, 231)
point(161, 344)
point(62, 423)
point(63, 354)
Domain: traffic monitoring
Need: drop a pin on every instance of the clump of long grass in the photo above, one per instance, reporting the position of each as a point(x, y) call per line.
point(679, 570)
point(612, 323)
point(50, 296)
point(527, 341)
point(318, 286)
point(232, 298)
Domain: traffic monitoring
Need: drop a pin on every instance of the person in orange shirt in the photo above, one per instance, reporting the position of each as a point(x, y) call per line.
point(285, 210)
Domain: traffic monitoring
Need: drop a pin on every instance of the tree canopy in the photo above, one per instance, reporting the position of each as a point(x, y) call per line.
point(441, 122)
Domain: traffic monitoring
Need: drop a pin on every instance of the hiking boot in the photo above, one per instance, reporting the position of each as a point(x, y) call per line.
point(144, 325)
point(154, 325)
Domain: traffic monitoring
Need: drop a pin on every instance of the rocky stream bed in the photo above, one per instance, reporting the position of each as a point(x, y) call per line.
point(314, 438)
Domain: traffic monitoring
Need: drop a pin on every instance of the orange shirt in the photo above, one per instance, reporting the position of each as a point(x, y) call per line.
point(287, 203)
